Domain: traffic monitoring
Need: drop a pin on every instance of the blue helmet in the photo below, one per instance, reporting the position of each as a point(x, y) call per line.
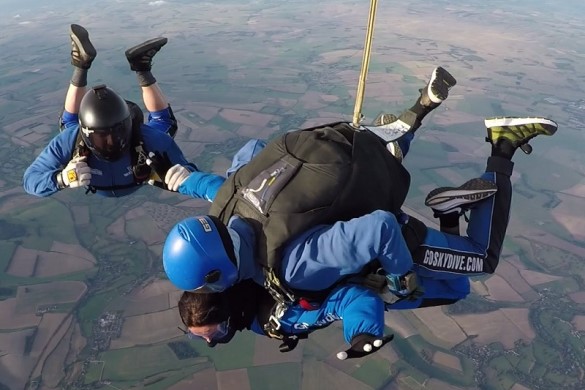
point(198, 255)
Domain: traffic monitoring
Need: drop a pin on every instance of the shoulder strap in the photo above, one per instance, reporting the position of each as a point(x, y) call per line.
point(79, 148)
point(269, 314)
point(140, 168)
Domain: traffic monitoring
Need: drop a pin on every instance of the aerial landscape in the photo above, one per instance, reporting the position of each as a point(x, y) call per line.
point(84, 300)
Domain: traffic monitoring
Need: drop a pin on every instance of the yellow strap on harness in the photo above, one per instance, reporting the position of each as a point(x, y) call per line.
point(359, 98)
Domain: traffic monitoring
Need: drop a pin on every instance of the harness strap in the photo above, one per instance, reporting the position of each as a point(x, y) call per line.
point(140, 168)
point(270, 311)
point(282, 299)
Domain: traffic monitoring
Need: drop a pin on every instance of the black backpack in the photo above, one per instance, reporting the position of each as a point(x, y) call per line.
point(306, 178)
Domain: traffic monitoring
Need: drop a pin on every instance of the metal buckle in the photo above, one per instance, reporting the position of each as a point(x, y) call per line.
point(274, 322)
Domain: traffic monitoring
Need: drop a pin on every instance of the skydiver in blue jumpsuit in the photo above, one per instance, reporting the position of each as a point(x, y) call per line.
point(317, 259)
point(104, 121)
point(216, 317)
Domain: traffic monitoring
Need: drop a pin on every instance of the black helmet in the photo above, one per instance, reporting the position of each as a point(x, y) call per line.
point(105, 123)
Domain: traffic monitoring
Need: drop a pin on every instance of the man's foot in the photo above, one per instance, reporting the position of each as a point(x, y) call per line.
point(518, 131)
point(82, 50)
point(140, 56)
point(390, 128)
point(445, 200)
point(437, 88)
point(384, 119)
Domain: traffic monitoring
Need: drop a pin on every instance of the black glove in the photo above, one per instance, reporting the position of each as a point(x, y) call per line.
point(171, 176)
point(364, 344)
point(160, 164)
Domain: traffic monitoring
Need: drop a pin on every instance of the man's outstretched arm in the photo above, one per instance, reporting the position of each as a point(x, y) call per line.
point(201, 185)
point(360, 309)
point(39, 179)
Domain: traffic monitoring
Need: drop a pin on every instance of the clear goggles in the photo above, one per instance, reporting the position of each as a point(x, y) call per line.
point(217, 333)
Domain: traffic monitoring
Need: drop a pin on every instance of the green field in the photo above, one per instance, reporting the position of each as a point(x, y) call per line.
point(94, 371)
point(134, 364)
point(411, 352)
point(285, 376)
point(239, 353)
point(373, 372)
point(43, 216)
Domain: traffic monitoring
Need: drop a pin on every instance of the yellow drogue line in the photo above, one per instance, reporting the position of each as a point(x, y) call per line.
point(359, 98)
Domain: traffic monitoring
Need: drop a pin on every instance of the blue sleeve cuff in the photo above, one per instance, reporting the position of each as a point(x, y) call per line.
point(202, 185)
point(161, 120)
point(159, 115)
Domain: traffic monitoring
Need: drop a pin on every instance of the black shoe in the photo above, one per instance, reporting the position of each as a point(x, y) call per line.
point(437, 88)
point(445, 200)
point(140, 56)
point(82, 50)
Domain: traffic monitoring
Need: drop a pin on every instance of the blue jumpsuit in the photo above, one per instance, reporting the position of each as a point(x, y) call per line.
point(40, 177)
point(361, 310)
point(319, 257)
